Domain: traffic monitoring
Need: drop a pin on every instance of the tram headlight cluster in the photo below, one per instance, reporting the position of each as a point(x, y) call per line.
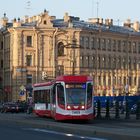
point(78, 107)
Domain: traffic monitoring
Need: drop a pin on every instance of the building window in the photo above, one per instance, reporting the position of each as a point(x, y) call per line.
point(1, 47)
point(98, 43)
point(60, 49)
point(94, 61)
point(135, 80)
point(92, 43)
point(114, 63)
point(45, 22)
point(124, 46)
point(99, 62)
point(114, 45)
point(130, 80)
point(109, 80)
point(124, 63)
point(104, 80)
point(134, 64)
point(29, 41)
point(29, 79)
point(129, 62)
point(87, 42)
point(103, 43)
point(109, 44)
point(119, 46)
point(29, 60)
point(1, 64)
point(109, 62)
point(103, 62)
point(82, 41)
point(119, 80)
point(129, 46)
point(119, 62)
point(124, 80)
point(88, 63)
point(139, 48)
point(134, 47)
point(82, 61)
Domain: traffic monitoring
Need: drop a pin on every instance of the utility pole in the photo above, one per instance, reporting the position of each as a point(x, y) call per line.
point(97, 8)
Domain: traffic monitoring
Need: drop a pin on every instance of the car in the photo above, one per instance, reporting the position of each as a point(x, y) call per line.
point(133, 109)
point(9, 107)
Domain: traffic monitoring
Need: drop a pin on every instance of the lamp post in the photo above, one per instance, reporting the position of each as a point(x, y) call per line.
point(128, 61)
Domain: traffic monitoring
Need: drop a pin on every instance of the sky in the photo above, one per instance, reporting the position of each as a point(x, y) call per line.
point(118, 10)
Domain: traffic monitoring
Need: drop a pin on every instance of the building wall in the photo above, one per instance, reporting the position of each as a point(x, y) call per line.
point(106, 56)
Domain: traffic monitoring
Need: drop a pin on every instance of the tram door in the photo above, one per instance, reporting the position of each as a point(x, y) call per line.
point(53, 104)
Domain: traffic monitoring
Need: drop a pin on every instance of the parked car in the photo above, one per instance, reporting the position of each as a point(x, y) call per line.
point(133, 109)
point(13, 107)
point(9, 107)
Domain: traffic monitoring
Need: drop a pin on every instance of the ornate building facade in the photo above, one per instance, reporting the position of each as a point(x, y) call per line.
point(39, 48)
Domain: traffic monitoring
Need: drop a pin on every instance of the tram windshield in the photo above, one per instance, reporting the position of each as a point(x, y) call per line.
point(76, 94)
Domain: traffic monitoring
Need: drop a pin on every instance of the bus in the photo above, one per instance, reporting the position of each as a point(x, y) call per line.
point(67, 97)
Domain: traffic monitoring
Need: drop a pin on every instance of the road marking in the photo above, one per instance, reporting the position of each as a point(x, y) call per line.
point(64, 134)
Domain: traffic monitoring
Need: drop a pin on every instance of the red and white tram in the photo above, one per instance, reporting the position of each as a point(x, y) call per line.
point(65, 98)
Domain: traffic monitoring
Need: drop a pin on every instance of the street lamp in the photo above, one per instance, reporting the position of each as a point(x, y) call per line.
point(128, 65)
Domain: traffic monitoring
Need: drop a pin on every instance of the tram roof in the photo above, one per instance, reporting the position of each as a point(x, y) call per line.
point(43, 84)
point(73, 78)
point(67, 79)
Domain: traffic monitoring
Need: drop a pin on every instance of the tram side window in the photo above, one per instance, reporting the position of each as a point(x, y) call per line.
point(89, 93)
point(60, 94)
point(42, 96)
point(46, 97)
point(37, 97)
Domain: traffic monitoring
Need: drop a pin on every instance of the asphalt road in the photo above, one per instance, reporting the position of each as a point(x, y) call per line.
point(11, 130)
point(21, 126)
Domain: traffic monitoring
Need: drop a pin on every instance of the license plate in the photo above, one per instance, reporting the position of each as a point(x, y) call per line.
point(75, 112)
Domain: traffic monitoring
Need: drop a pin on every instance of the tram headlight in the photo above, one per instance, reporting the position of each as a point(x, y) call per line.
point(82, 107)
point(68, 107)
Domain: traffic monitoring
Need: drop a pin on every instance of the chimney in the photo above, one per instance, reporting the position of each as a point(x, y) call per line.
point(66, 17)
point(101, 21)
point(25, 19)
point(110, 22)
point(4, 20)
point(136, 26)
point(94, 20)
point(16, 23)
point(127, 23)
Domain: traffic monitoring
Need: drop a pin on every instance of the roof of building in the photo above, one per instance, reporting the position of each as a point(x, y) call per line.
point(75, 22)
point(90, 26)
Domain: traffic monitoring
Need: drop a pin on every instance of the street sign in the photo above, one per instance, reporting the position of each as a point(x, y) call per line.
point(22, 87)
point(21, 93)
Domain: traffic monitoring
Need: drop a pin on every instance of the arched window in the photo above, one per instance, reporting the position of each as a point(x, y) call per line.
point(60, 49)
